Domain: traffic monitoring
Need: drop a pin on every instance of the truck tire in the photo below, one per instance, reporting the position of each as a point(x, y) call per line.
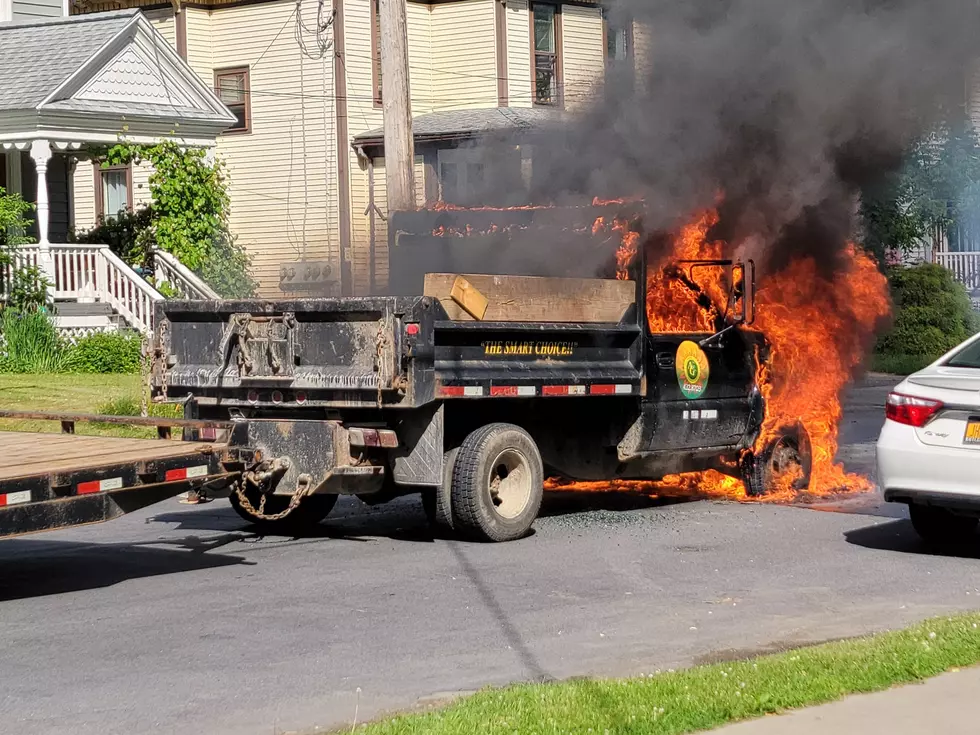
point(761, 472)
point(437, 503)
point(940, 526)
point(498, 484)
point(305, 518)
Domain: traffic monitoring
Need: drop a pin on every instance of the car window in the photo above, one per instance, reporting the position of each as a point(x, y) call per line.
point(969, 357)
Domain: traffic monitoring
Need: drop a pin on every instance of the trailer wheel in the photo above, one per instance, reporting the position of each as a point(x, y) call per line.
point(305, 518)
point(437, 502)
point(498, 484)
point(785, 460)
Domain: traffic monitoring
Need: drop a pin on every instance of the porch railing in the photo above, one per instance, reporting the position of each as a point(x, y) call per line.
point(90, 273)
point(185, 282)
point(964, 266)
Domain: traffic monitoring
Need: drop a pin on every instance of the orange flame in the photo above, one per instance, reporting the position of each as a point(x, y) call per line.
point(818, 327)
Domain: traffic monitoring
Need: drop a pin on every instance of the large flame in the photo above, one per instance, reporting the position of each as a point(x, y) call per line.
point(818, 327)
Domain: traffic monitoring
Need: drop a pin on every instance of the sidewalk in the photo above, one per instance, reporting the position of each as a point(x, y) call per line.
point(947, 704)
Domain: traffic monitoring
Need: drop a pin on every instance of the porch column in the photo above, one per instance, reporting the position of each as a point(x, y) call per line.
point(41, 153)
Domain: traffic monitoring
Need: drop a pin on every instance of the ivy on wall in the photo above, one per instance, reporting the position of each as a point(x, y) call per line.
point(188, 216)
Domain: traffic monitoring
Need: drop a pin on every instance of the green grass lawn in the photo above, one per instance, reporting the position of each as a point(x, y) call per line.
point(75, 394)
point(707, 696)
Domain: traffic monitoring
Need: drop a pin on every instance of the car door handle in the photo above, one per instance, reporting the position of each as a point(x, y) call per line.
point(665, 359)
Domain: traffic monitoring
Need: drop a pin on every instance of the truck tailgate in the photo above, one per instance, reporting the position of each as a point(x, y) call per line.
point(334, 344)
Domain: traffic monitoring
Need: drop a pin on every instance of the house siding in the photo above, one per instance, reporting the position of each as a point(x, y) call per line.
point(283, 174)
point(198, 23)
point(518, 54)
point(464, 55)
point(163, 20)
point(583, 53)
point(33, 9)
point(361, 223)
point(83, 188)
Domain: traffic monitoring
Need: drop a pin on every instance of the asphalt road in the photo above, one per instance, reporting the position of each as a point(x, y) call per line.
point(180, 620)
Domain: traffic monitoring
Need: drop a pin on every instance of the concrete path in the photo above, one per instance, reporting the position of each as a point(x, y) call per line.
point(947, 704)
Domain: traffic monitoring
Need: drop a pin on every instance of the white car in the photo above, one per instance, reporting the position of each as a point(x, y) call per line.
point(929, 449)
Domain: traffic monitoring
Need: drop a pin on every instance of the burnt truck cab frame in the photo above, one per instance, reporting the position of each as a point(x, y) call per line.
point(385, 396)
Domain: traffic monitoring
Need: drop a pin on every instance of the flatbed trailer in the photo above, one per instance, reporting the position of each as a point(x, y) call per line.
point(56, 480)
point(471, 392)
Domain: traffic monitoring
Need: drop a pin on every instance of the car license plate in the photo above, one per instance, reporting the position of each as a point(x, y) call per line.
point(972, 432)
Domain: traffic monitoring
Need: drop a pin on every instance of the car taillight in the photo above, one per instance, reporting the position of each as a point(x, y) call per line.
point(910, 410)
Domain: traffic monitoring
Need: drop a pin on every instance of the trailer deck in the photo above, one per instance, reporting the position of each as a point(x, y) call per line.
point(50, 480)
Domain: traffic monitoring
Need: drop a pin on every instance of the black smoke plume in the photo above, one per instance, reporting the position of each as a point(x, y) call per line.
point(785, 107)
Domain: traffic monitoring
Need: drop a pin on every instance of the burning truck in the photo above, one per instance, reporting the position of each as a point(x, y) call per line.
point(494, 368)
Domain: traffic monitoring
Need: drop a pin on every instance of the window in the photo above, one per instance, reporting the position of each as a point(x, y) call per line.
point(546, 37)
point(231, 86)
point(376, 52)
point(618, 42)
point(968, 357)
point(113, 190)
point(461, 176)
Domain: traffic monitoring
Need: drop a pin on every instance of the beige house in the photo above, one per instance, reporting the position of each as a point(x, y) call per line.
point(305, 158)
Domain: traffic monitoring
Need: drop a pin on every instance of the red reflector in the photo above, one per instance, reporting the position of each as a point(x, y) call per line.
point(276, 397)
point(452, 391)
point(503, 390)
point(253, 396)
point(602, 390)
point(554, 390)
point(208, 435)
point(909, 410)
point(412, 329)
point(301, 398)
point(172, 475)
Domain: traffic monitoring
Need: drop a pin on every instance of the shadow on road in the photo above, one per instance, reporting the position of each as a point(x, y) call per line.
point(35, 568)
point(403, 518)
point(899, 536)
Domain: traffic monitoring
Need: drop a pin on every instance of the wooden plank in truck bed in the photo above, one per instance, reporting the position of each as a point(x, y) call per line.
point(28, 454)
point(534, 299)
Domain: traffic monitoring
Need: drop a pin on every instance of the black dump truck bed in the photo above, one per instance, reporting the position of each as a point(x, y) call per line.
point(537, 337)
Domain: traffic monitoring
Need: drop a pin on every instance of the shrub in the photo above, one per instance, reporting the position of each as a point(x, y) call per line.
point(933, 314)
point(108, 352)
point(31, 344)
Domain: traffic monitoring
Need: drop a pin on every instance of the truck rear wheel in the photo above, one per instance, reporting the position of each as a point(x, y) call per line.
point(783, 464)
point(437, 502)
point(497, 485)
point(304, 518)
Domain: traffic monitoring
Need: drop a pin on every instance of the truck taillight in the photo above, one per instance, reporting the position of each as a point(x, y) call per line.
point(910, 410)
point(385, 438)
point(412, 329)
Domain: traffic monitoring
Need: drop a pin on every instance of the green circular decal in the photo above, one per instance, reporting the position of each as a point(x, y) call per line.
point(692, 369)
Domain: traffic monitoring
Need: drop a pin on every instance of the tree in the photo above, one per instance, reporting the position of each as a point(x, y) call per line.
point(937, 189)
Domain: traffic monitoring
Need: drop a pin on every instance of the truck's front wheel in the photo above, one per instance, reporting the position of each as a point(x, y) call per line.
point(498, 484)
point(782, 466)
point(304, 518)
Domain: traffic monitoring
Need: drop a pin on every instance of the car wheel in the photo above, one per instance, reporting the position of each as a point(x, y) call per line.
point(498, 484)
point(938, 525)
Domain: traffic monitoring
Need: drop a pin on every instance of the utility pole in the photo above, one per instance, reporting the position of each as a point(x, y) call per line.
point(397, 107)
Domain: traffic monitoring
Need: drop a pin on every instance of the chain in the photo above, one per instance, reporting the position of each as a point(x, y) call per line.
point(259, 512)
point(380, 342)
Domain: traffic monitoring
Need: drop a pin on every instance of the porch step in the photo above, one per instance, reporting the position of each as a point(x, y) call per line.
point(69, 309)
